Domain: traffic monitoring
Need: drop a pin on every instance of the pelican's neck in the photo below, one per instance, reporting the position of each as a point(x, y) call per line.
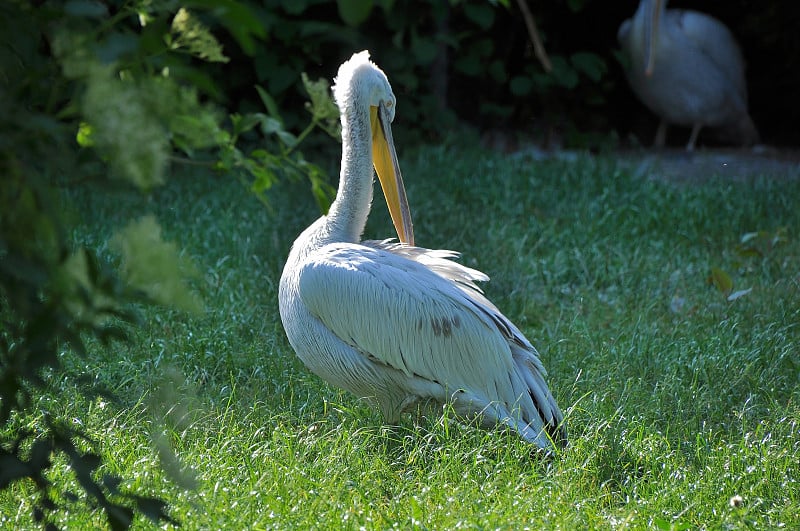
point(648, 6)
point(347, 216)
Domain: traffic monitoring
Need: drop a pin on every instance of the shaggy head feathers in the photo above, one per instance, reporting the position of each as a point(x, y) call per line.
point(359, 79)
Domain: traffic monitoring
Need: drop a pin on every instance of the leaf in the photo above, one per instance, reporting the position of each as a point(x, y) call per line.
point(576, 5)
point(125, 130)
point(323, 109)
point(480, 13)
point(590, 64)
point(264, 178)
point(77, 284)
point(423, 48)
point(386, 5)
point(294, 7)
point(281, 77)
point(269, 103)
point(238, 19)
point(194, 131)
point(86, 8)
point(322, 195)
point(483, 48)
point(748, 236)
point(520, 85)
point(115, 46)
point(354, 12)
point(497, 70)
point(739, 294)
point(84, 136)
point(563, 74)
point(154, 266)
point(721, 280)
point(192, 36)
point(469, 65)
point(244, 123)
point(288, 139)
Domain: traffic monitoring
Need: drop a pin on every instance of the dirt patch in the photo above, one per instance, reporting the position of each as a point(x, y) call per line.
point(699, 166)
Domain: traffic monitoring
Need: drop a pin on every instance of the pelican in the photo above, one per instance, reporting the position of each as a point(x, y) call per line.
point(395, 323)
point(686, 67)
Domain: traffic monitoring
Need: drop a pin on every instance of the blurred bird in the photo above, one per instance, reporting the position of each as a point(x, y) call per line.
point(392, 322)
point(686, 67)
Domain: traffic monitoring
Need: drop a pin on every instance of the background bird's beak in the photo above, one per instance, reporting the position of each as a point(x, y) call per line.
point(651, 22)
point(384, 158)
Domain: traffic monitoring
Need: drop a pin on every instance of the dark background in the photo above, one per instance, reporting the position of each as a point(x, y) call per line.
point(768, 34)
point(592, 113)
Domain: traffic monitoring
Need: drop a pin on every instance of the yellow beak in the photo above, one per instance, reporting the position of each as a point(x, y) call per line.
point(651, 26)
point(384, 159)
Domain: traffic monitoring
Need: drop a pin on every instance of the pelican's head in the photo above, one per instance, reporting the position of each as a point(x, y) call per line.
point(360, 79)
point(361, 85)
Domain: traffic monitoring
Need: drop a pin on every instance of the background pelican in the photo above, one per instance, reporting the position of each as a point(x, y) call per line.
point(686, 67)
point(397, 323)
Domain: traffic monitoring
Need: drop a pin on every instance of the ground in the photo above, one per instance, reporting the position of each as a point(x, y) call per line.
point(681, 166)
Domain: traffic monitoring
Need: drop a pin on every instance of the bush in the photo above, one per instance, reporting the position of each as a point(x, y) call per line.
point(99, 91)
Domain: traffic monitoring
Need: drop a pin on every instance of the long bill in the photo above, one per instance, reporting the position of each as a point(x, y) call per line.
point(384, 158)
point(652, 20)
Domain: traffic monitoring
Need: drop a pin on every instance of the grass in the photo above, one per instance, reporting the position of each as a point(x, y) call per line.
point(677, 400)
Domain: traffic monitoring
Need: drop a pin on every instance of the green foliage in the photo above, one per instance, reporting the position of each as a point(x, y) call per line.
point(154, 266)
point(124, 132)
point(90, 90)
point(51, 298)
point(439, 55)
point(354, 12)
point(189, 34)
point(279, 158)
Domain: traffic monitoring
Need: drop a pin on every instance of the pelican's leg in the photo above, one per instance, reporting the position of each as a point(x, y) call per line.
point(693, 137)
point(661, 135)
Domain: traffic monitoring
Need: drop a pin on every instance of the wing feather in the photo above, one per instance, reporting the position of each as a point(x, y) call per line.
point(418, 312)
point(715, 41)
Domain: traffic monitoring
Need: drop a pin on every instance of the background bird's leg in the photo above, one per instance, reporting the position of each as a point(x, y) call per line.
point(693, 137)
point(661, 134)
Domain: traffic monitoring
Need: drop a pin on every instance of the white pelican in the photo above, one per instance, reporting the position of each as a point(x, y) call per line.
point(395, 323)
point(687, 68)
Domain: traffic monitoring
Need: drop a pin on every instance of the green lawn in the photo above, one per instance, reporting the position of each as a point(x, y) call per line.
point(677, 400)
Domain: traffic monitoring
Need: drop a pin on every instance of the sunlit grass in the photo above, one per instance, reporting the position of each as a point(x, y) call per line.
point(677, 399)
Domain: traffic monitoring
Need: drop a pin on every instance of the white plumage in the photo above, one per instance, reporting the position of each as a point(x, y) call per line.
point(686, 67)
point(397, 323)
